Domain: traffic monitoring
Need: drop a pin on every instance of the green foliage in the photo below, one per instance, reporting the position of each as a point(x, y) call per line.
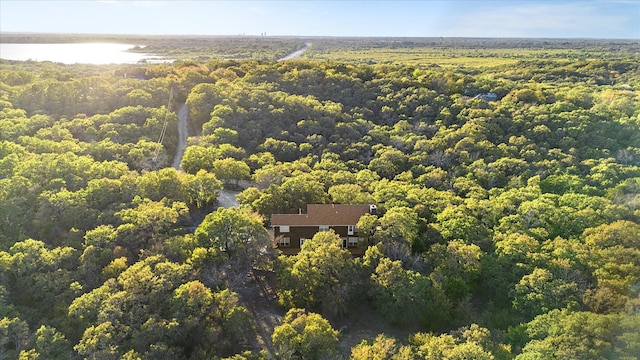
point(321, 276)
point(304, 335)
point(518, 211)
point(539, 292)
point(399, 224)
point(239, 235)
point(404, 296)
point(230, 170)
point(237, 232)
point(13, 335)
point(382, 347)
point(455, 268)
point(581, 335)
point(202, 188)
point(473, 342)
point(50, 344)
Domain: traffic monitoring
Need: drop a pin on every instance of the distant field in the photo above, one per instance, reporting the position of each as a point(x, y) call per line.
point(411, 57)
point(455, 57)
point(445, 52)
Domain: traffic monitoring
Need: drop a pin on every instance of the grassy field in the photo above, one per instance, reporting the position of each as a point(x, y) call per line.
point(453, 57)
point(416, 57)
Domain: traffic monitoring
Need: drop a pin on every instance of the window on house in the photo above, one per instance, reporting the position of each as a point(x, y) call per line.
point(353, 241)
point(284, 242)
point(351, 229)
point(324, 227)
point(284, 228)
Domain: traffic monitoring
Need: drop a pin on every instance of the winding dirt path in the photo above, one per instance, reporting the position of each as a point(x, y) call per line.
point(183, 134)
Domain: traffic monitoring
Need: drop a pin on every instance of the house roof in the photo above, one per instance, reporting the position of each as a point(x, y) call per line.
point(323, 214)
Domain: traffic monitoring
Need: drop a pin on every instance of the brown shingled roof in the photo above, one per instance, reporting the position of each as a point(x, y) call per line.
point(323, 214)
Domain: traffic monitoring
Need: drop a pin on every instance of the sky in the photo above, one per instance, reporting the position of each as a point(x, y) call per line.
point(608, 19)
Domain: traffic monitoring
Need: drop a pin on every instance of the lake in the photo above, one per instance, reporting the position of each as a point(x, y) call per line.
point(84, 53)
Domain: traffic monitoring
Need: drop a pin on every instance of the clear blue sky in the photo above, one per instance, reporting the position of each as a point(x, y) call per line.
point(457, 18)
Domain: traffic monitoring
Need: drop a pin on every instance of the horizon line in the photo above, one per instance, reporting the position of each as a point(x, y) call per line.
point(312, 36)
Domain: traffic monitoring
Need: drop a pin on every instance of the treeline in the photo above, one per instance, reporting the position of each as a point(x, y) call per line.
point(508, 200)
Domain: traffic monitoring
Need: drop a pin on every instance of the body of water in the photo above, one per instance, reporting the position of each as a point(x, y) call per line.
point(83, 53)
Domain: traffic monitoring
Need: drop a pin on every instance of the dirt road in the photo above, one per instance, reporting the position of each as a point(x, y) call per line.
point(183, 134)
point(296, 54)
point(227, 197)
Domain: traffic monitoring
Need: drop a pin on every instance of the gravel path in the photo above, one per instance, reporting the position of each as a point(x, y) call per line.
point(183, 134)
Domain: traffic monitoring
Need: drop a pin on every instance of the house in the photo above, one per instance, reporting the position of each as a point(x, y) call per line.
point(487, 97)
point(291, 230)
point(491, 96)
point(134, 76)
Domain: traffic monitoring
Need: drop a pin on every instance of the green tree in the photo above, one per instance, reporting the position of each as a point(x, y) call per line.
point(405, 296)
point(13, 335)
point(399, 225)
point(540, 291)
point(104, 192)
point(446, 346)
point(319, 276)
point(367, 226)
point(388, 163)
point(235, 320)
point(147, 223)
point(230, 170)
point(459, 222)
point(381, 348)
point(305, 336)
point(147, 155)
point(456, 267)
point(302, 190)
point(202, 189)
point(100, 342)
point(201, 102)
point(237, 232)
point(240, 235)
point(192, 305)
point(196, 158)
point(282, 150)
point(156, 185)
point(563, 334)
point(614, 255)
point(349, 194)
point(38, 278)
point(51, 344)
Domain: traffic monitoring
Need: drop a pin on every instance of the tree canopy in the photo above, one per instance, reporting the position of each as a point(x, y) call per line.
point(506, 175)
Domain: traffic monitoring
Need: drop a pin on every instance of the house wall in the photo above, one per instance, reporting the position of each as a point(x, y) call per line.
point(307, 232)
point(296, 233)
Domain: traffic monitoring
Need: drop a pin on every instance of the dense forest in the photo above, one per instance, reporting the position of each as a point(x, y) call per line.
point(506, 175)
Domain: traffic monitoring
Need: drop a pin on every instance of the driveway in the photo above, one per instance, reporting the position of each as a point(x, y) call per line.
point(183, 134)
point(227, 197)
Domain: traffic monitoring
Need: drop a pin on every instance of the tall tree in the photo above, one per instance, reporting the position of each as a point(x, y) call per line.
point(239, 234)
point(405, 296)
